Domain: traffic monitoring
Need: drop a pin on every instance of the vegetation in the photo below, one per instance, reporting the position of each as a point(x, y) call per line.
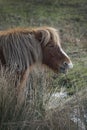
point(70, 113)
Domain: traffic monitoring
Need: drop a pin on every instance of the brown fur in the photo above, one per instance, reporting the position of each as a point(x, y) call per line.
point(21, 48)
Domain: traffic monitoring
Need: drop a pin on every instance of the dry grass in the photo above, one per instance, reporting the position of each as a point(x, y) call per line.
point(28, 115)
point(33, 114)
point(71, 114)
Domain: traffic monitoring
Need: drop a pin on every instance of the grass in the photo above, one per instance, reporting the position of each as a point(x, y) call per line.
point(33, 113)
point(60, 12)
point(71, 20)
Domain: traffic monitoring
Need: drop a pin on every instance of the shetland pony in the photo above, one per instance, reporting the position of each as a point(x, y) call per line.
point(20, 49)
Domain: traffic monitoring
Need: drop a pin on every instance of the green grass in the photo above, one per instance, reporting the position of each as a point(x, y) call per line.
point(35, 13)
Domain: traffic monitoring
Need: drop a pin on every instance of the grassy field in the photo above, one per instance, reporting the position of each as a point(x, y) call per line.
point(70, 18)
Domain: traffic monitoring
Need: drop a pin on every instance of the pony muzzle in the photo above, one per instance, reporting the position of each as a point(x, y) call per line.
point(70, 65)
point(65, 67)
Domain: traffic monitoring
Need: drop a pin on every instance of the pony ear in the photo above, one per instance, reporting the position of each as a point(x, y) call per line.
point(38, 36)
point(43, 36)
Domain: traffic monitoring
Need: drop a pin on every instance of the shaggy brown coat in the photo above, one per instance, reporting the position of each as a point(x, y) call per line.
point(20, 48)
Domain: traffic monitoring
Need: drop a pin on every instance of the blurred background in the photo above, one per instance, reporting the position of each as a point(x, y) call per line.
point(53, 102)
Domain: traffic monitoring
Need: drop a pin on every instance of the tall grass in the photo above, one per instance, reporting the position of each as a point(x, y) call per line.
point(34, 113)
point(30, 114)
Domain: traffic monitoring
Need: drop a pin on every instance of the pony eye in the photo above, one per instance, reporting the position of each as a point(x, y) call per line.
point(50, 45)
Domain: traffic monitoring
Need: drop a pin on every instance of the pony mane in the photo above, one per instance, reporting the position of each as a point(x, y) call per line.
point(20, 47)
point(48, 34)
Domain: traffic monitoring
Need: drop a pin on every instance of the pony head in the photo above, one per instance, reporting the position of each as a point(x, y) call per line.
point(52, 53)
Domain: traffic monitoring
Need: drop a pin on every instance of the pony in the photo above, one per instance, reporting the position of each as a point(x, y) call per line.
point(22, 48)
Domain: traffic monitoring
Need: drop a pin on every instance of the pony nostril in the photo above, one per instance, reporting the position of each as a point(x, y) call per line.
point(68, 65)
point(65, 64)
